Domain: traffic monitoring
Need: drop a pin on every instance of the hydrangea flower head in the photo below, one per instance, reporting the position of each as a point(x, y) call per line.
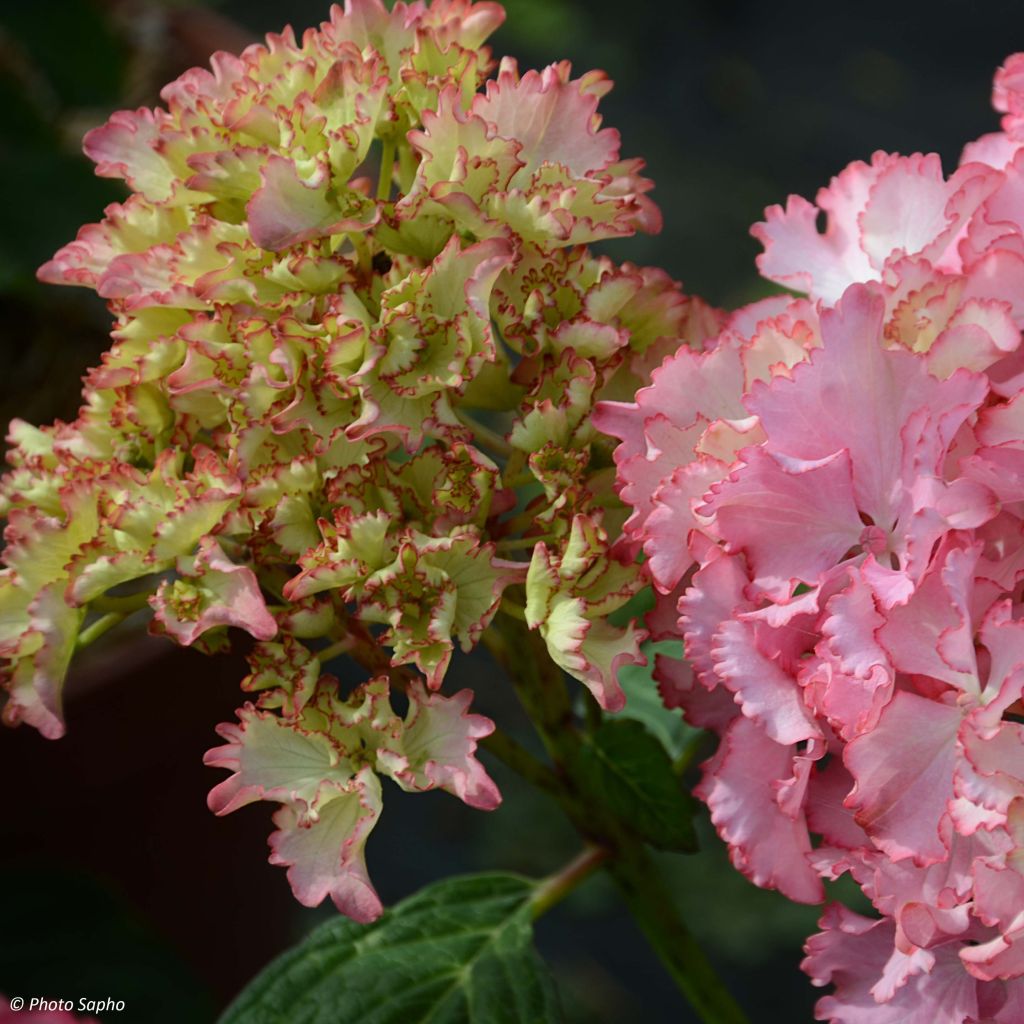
point(829, 497)
point(358, 337)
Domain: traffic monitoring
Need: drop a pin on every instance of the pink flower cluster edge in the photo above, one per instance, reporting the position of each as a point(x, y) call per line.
point(847, 470)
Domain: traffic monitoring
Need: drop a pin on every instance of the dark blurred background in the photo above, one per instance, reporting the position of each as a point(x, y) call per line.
point(117, 880)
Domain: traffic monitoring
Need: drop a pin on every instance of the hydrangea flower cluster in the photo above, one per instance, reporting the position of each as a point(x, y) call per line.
point(358, 340)
point(830, 498)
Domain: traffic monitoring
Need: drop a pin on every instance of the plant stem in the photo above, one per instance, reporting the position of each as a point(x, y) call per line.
point(520, 479)
point(652, 906)
point(487, 437)
point(327, 653)
point(519, 543)
point(126, 605)
point(387, 168)
point(406, 168)
point(523, 520)
point(102, 625)
point(510, 608)
point(540, 685)
point(364, 258)
point(553, 889)
point(515, 472)
point(521, 761)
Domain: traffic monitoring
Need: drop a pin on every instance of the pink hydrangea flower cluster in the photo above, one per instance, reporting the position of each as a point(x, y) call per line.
point(358, 340)
point(830, 498)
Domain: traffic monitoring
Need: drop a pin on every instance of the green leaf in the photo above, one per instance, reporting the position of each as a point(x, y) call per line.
point(644, 703)
point(458, 952)
point(628, 771)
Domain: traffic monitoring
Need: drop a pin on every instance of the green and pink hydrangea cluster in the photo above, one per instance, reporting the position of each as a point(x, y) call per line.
point(358, 340)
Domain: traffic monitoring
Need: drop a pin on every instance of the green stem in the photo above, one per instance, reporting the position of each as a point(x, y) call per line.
point(538, 683)
point(519, 480)
point(487, 437)
point(406, 168)
point(519, 543)
point(126, 605)
point(327, 653)
point(652, 906)
point(364, 258)
point(102, 625)
point(513, 610)
point(521, 761)
point(553, 889)
point(540, 686)
point(523, 520)
point(515, 471)
point(387, 168)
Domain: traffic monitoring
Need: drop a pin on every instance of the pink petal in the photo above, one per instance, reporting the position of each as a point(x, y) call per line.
point(127, 147)
point(325, 857)
point(440, 740)
point(286, 210)
point(875, 984)
point(717, 593)
point(932, 633)
point(769, 846)
point(903, 771)
point(551, 116)
point(679, 688)
point(765, 693)
point(856, 395)
point(792, 519)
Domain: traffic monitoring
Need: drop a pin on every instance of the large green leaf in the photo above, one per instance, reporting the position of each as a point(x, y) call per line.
point(458, 952)
point(627, 769)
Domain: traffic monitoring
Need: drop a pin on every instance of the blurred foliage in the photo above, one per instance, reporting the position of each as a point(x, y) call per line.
point(54, 72)
point(644, 704)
